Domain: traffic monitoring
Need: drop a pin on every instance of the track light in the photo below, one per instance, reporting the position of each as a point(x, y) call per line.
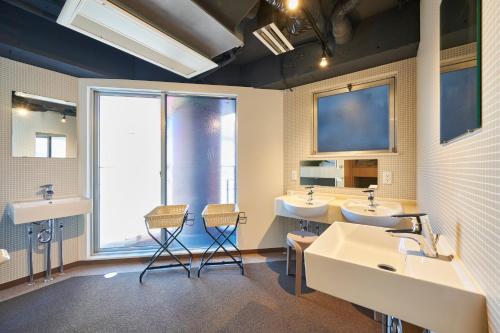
point(324, 61)
point(292, 4)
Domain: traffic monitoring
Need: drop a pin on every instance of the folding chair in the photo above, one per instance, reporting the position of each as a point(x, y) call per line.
point(222, 217)
point(165, 217)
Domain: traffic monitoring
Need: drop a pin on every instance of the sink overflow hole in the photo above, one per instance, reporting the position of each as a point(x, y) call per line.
point(386, 267)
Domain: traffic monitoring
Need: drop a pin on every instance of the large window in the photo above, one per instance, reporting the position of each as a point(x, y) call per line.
point(357, 118)
point(149, 151)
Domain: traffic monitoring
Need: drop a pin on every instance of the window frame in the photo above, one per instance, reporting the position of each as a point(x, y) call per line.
point(49, 137)
point(391, 82)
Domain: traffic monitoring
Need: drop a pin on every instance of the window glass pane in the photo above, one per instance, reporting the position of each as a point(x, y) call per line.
point(459, 111)
point(41, 146)
point(201, 157)
point(354, 121)
point(58, 146)
point(129, 168)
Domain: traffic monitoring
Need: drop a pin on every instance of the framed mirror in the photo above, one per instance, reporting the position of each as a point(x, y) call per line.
point(460, 79)
point(43, 127)
point(339, 173)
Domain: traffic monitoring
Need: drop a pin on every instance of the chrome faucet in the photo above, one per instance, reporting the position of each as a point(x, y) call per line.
point(371, 195)
point(310, 194)
point(47, 191)
point(421, 232)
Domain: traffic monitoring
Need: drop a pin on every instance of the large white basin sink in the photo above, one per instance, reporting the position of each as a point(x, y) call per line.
point(299, 206)
point(39, 210)
point(346, 262)
point(359, 211)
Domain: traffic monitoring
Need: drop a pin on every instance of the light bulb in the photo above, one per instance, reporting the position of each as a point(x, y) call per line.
point(63, 120)
point(323, 62)
point(292, 4)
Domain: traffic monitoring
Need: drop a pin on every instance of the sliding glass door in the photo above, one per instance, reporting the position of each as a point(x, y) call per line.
point(127, 170)
point(201, 157)
point(192, 138)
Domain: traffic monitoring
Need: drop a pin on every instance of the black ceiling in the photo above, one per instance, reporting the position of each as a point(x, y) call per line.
point(384, 31)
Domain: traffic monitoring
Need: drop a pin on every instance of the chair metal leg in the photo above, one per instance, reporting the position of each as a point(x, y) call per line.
point(298, 271)
point(220, 240)
point(170, 237)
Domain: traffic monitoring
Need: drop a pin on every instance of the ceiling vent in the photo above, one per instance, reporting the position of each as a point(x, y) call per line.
point(273, 38)
point(110, 24)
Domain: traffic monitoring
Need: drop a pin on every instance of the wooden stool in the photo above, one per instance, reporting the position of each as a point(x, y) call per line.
point(299, 241)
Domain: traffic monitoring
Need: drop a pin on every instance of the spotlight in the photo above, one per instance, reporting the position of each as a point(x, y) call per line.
point(323, 62)
point(292, 4)
point(63, 120)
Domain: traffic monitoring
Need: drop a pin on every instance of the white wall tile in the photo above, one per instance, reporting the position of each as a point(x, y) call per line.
point(20, 177)
point(298, 128)
point(459, 184)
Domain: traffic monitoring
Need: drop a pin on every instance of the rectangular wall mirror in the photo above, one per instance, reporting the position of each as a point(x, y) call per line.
point(43, 127)
point(460, 23)
point(339, 173)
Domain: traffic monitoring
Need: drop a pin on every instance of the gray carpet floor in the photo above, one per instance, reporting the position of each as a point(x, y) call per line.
point(221, 300)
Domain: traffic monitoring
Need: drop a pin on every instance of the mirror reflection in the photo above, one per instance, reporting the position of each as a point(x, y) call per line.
point(460, 25)
point(43, 126)
point(339, 173)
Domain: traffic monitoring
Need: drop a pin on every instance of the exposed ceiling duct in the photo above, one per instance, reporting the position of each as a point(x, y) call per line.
point(296, 23)
point(341, 25)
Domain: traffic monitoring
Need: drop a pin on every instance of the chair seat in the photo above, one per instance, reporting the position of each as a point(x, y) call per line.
point(301, 238)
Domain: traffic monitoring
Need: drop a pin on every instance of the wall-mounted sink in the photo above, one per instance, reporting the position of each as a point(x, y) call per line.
point(39, 210)
point(366, 266)
point(299, 206)
point(360, 211)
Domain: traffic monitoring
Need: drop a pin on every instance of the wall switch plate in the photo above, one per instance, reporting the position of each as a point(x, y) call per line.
point(387, 177)
point(294, 175)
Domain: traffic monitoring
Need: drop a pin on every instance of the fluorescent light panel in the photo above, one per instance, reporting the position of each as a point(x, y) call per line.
point(108, 23)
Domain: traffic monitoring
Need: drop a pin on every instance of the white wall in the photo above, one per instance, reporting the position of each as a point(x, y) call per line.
point(459, 184)
point(20, 177)
point(260, 151)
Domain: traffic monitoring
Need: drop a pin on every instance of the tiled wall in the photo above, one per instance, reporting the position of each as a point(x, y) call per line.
point(459, 184)
point(298, 128)
point(20, 177)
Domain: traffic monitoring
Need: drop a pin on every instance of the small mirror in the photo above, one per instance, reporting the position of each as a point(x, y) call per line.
point(43, 126)
point(460, 25)
point(339, 173)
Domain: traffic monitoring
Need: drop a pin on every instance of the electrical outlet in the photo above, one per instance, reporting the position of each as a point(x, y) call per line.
point(387, 177)
point(294, 175)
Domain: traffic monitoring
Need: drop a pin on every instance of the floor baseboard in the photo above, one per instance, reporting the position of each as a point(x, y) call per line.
point(141, 260)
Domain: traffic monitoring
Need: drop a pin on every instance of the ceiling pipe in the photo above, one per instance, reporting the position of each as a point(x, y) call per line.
point(341, 25)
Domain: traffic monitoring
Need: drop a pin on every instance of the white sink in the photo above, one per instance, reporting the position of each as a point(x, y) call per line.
point(4, 256)
point(435, 294)
point(359, 211)
point(39, 210)
point(298, 205)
